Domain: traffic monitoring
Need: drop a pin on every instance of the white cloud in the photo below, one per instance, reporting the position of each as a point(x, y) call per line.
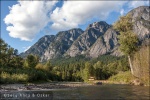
point(134, 4)
point(131, 5)
point(122, 12)
point(27, 18)
point(74, 13)
point(26, 48)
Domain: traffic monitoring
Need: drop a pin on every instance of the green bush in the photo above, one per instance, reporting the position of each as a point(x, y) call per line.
point(122, 77)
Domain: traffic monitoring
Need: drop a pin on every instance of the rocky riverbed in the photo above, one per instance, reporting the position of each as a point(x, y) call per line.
point(45, 86)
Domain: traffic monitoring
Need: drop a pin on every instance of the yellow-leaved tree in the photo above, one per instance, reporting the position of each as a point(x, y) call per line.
point(128, 40)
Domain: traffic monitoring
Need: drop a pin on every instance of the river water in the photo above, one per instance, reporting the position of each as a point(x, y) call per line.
point(93, 92)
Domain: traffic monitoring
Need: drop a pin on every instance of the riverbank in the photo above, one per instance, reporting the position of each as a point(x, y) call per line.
point(127, 78)
point(59, 85)
point(43, 86)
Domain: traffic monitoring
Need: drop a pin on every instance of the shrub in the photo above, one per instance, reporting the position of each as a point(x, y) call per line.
point(122, 77)
point(20, 77)
point(39, 66)
point(13, 78)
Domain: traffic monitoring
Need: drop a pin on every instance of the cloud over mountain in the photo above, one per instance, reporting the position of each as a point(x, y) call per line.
point(27, 18)
point(134, 4)
point(75, 13)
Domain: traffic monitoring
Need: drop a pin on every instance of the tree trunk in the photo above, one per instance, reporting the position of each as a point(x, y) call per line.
point(131, 67)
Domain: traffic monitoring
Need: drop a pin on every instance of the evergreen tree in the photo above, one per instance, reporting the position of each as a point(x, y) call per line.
point(31, 61)
point(9, 56)
point(3, 49)
point(88, 71)
point(48, 66)
point(98, 70)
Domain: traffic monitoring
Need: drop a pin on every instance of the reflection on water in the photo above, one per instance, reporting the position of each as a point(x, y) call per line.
point(100, 92)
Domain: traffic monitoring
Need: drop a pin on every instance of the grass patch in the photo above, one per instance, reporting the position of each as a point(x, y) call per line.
point(122, 77)
point(13, 78)
point(24, 75)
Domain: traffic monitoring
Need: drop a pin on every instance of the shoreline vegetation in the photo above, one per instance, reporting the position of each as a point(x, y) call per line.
point(125, 78)
point(120, 78)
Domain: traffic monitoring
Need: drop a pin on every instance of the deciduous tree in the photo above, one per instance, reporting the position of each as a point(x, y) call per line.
point(128, 40)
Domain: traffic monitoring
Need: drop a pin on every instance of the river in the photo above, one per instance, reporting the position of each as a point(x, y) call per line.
point(96, 92)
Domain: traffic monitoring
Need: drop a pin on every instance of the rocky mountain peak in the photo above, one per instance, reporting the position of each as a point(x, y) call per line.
point(61, 43)
point(141, 12)
point(69, 34)
point(88, 38)
point(141, 19)
point(40, 46)
point(98, 24)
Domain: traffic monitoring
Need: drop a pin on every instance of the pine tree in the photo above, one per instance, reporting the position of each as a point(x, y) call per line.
point(48, 66)
point(31, 61)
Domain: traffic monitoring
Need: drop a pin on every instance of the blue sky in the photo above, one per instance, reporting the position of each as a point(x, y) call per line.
point(24, 22)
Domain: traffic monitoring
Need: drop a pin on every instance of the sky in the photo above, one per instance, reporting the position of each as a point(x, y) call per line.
point(23, 23)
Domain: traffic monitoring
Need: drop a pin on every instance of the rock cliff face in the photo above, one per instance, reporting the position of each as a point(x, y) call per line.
point(88, 38)
point(106, 44)
point(99, 38)
point(40, 46)
point(140, 17)
point(63, 40)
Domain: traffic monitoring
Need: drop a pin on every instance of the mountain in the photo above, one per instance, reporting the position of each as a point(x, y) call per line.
point(99, 38)
point(88, 38)
point(140, 17)
point(40, 46)
point(106, 44)
point(63, 40)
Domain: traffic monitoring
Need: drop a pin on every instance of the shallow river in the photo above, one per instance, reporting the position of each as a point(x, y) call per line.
point(96, 92)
